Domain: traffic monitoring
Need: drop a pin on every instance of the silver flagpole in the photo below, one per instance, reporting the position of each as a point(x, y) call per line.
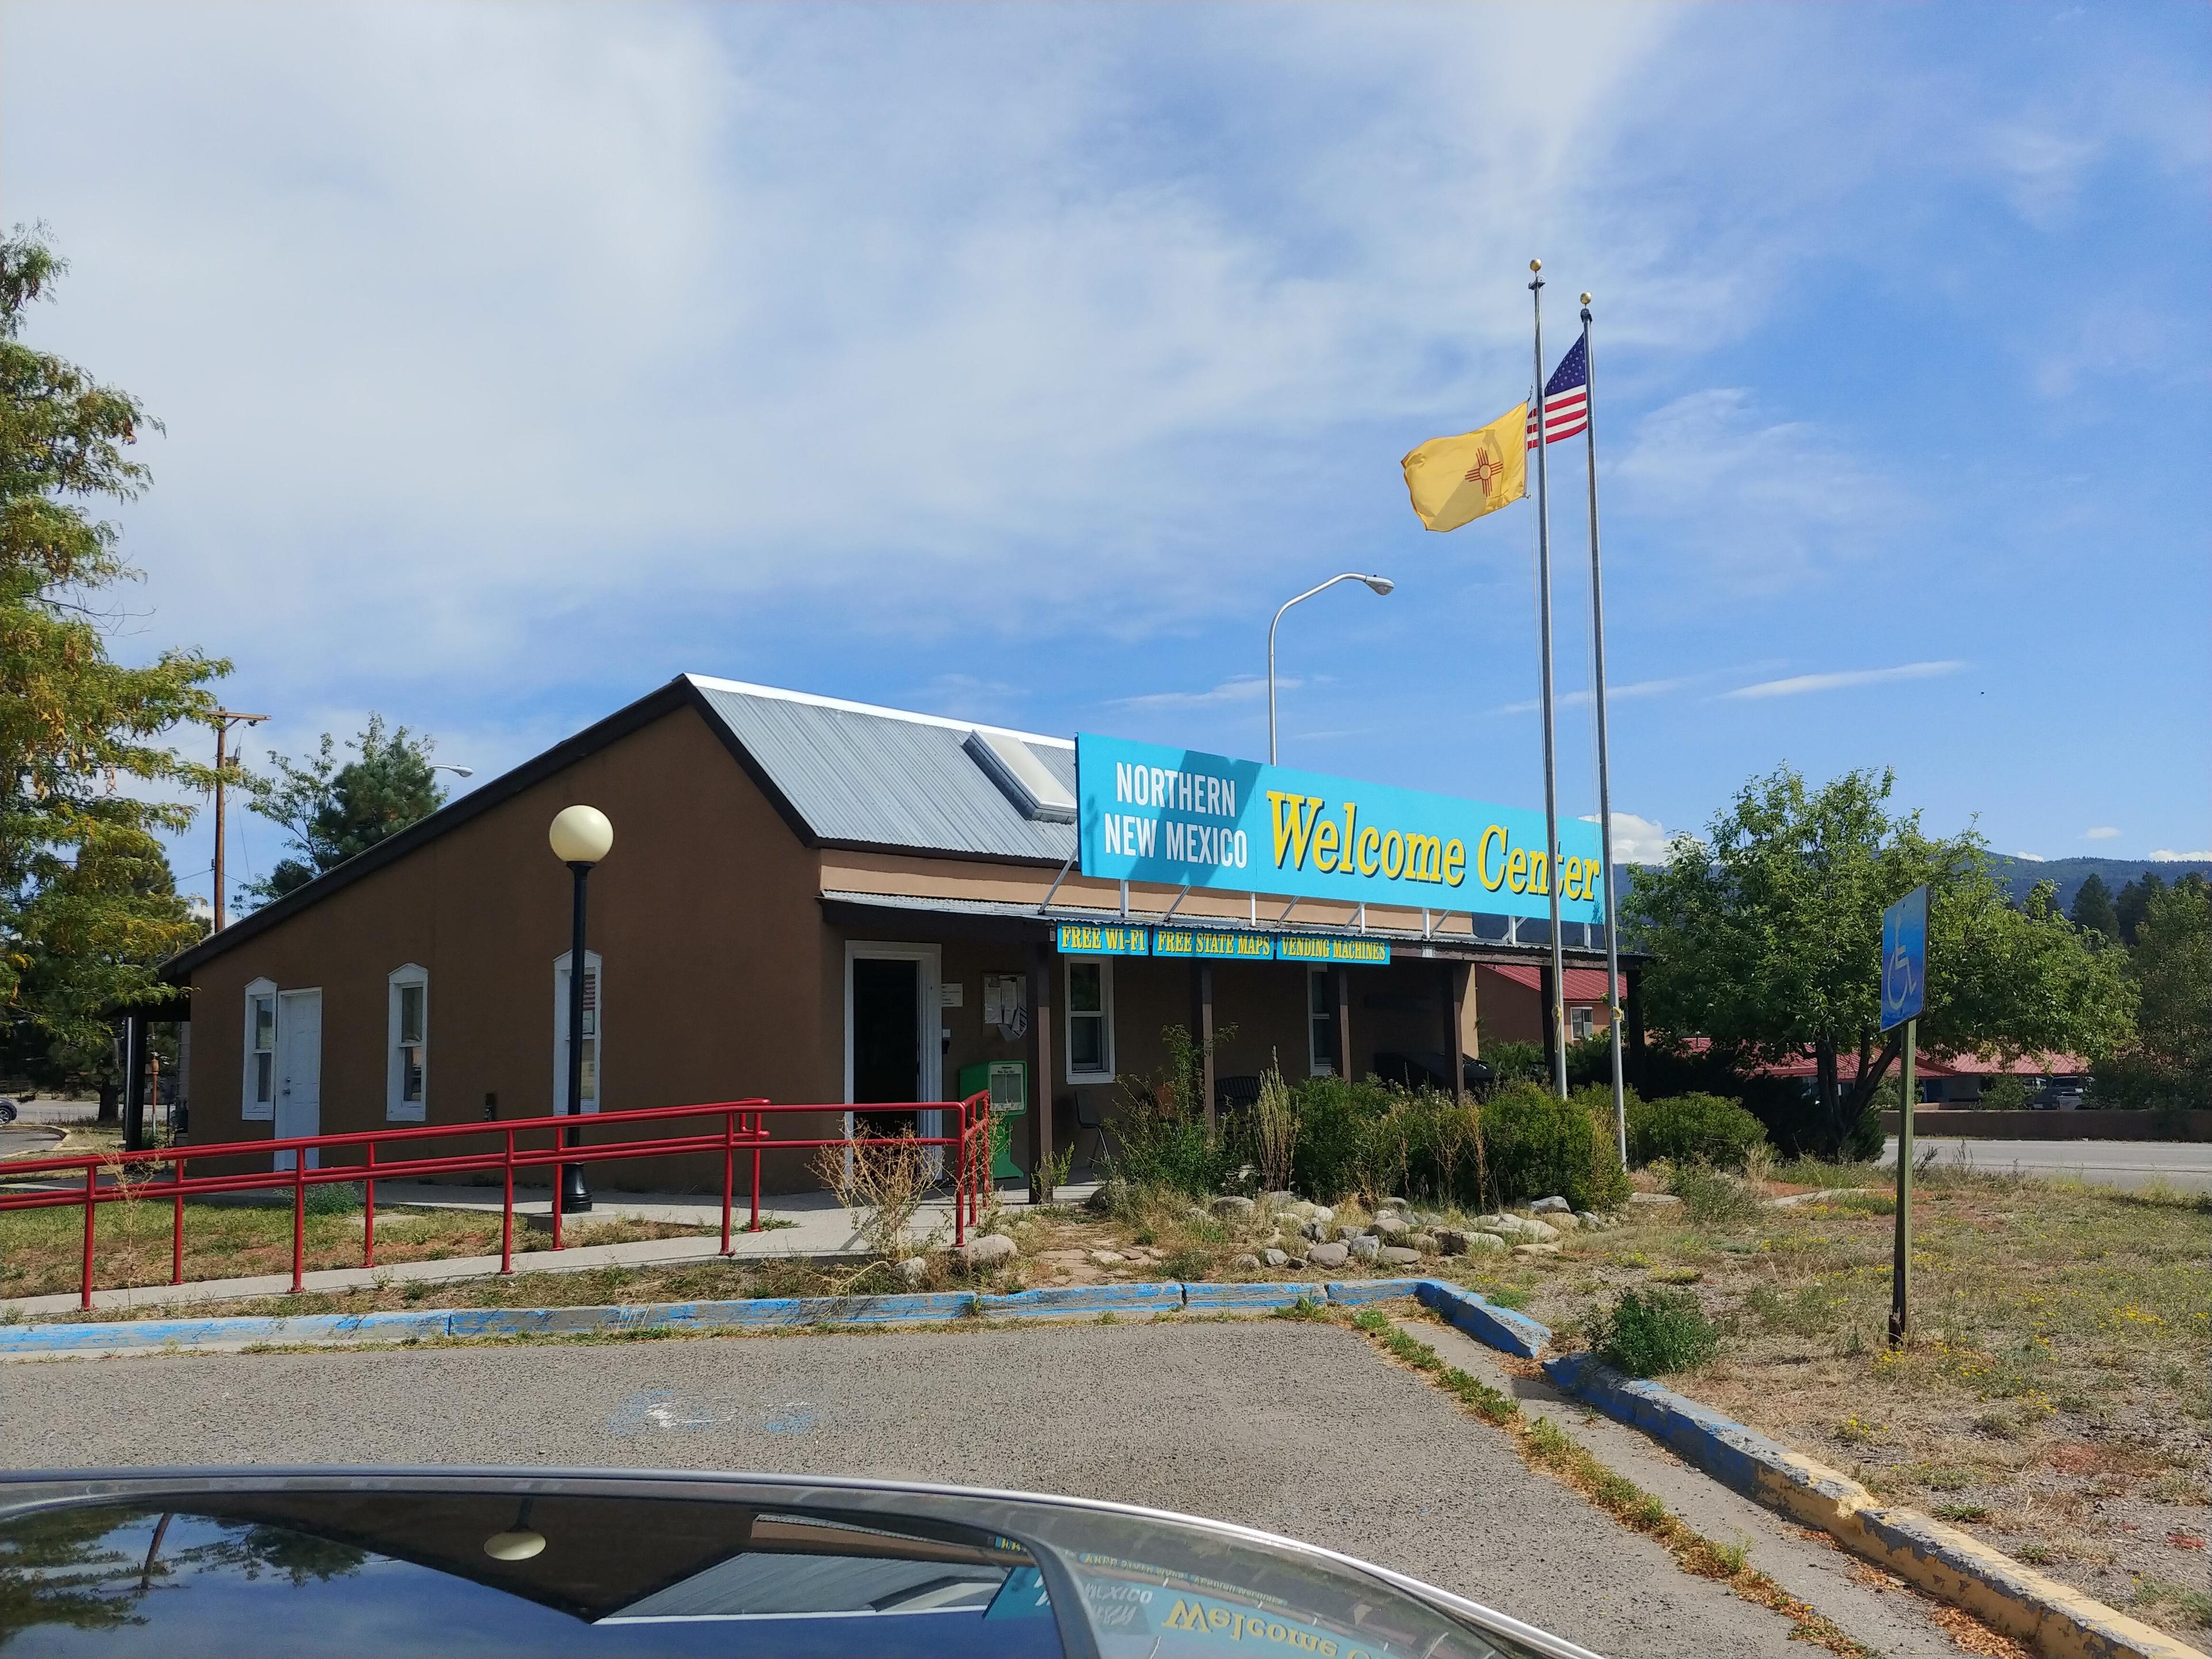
point(1604, 773)
point(1551, 771)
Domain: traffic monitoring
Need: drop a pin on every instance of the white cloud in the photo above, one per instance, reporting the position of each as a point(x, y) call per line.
point(2167, 855)
point(1613, 694)
point(1800, 685)
point(2032, 858)
point(1635, 840)
point(2102, 832)
point(2040, 168)
point(1762, 504)
point(1242, 689)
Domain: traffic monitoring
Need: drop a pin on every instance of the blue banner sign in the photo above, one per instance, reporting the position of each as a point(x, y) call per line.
point(1214, 944)
point(1175, 816)
point(1373, 952)
point(1094, 939)
point(1904, 958)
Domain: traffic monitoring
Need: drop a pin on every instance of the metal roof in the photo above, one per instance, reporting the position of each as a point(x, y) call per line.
point(859, 775)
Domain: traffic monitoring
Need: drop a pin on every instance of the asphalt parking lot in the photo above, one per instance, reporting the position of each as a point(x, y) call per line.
point(1296, 1428)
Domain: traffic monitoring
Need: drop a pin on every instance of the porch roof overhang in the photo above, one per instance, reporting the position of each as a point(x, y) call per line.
point(1008, 921)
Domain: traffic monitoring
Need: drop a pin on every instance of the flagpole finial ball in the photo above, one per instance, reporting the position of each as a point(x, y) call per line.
point(1585, 299)
point(1536, 264)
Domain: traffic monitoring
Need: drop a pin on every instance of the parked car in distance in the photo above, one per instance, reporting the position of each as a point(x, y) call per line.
point(2062, 1095)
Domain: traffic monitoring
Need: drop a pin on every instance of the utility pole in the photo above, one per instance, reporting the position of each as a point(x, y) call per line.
point(223, 719)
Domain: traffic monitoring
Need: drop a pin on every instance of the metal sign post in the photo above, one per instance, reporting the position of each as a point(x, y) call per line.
point(1904, 992)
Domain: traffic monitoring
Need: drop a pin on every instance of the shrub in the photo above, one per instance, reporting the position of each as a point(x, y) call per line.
point(1336, 1119)
point(1515, 1062)
point(1691, 1128)
point(1159, 1132)
point(1535, 1145)
point(2004, 1093)
point(335, 1197)
point(1709, 1196)
point(1652, 1333)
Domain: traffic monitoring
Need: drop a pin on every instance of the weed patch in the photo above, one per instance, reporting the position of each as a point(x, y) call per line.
point(1654, 1333)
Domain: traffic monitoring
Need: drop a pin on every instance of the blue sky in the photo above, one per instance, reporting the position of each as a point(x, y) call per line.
point(1014, 362)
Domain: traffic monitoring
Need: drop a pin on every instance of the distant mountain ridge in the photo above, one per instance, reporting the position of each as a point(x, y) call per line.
point(2021, 875)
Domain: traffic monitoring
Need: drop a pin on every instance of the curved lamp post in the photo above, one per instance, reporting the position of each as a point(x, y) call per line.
point(581, 837)
point(1380, 584)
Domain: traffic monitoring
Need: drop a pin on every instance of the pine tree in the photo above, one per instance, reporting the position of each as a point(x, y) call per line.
point(2092, 909)
point(334, 812)
point(2135, 898)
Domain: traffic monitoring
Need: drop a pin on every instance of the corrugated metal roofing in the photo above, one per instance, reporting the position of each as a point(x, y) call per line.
point(881, 777)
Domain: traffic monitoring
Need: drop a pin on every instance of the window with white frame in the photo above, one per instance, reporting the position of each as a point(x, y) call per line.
point(594, 1030)
point(1090, 1019)
point(1320, 1023)
point(260, 1099)
point(407, 1065)
point(1581, 1021)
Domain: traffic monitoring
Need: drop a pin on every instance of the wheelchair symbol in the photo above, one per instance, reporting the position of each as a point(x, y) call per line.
point(1897, 983)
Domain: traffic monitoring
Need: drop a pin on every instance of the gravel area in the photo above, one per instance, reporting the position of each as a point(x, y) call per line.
point(1296, 1428)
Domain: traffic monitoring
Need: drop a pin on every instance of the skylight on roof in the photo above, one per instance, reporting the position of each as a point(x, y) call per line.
point(1024, 779)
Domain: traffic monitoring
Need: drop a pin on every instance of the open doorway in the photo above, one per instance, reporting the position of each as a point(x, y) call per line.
point(892, 1048)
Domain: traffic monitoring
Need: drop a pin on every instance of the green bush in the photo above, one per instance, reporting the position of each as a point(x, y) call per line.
point(2004, 1093)
point(1335, 1119)
point(1652, 1333)
point(1159, 1131)
point(1712, 1197)
point(1692, 1129)
point(335, 1197)
point(1535, 1145)
point(1515, 1062)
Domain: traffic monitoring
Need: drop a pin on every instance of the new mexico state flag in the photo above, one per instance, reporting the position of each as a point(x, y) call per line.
point(1455, 480)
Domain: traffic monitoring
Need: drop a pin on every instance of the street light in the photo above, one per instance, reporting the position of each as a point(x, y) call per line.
point(581, 837)
point(1380, 584)
point(458, 771)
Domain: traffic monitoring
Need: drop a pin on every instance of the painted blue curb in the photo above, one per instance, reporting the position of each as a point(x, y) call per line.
point(1221, 1299)
point(1351, 1292)
point(1485, 1320)
point(1732, 1454)
point(1083, 1302)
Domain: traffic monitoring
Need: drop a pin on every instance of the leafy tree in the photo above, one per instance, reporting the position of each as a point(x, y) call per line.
point(1767, 941)
point(2134, 898)
point(83, 916)
point(2092, 909)
point(334, 812)
point(2172, 961)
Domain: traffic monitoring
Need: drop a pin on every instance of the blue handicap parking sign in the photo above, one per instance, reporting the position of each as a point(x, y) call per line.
point(1905, 958)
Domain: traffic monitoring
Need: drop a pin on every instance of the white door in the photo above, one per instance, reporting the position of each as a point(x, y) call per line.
point(299, 1071)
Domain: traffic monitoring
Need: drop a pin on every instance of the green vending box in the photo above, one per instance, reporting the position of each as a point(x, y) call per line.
point(1008, 1081)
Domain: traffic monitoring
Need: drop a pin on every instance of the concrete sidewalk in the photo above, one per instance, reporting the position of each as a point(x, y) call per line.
point(817, 1228)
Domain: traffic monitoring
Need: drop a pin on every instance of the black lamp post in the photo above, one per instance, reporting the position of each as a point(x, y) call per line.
point(581, 837)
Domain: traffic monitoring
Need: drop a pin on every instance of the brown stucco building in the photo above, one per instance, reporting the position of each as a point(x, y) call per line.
point(809, 900)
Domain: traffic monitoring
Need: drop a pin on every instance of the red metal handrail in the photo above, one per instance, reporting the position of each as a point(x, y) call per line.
point(743, 1127)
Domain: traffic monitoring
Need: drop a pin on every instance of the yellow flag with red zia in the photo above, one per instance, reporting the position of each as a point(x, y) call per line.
point(1455, 481)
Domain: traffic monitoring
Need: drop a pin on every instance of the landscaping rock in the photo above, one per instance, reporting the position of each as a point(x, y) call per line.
point(1244, 1264)
point(1107, 1197)
point(1323, 1213)
point(1196, 1216)
point(1232, 1208)
point(1552, 1206)
point(1562, 1221)
point(1520, 1229)
point(912, 1270)
point(1592, 1221)
point(1273, 1259)
point(1450, 1240)
point(1484, 1244)
point(1661, 1200)
point(1365, 1246)
point(1328, 1255)
point(1280, 1201)
point(985, 1252)
point(1389, 1224)
point(1422, 1244)
point(1384, 1204)
point(1399, 1255)
point(1107, 1258)
point(1535, 1249)
point(1313, 1231)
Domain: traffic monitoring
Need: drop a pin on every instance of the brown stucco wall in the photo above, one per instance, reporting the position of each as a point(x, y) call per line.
point(715, 954)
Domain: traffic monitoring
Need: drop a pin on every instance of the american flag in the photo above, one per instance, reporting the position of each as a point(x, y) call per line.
point(1566, 398)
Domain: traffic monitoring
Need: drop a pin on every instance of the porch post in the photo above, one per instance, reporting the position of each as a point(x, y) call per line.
point(134, 1081)
point(1455, 1002)
point(1548, 989)
point(1344, 1024)
point(1202, 1023)
point(1041, 1074)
